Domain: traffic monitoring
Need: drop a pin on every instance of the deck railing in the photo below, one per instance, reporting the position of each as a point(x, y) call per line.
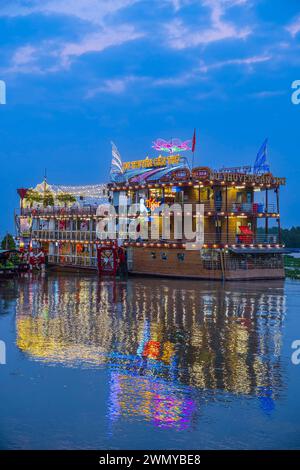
point(209, 206)
point(60, 211)
point(236, 207)
point(67, 235)
point(73, 260)
point(257, 262)
point(209, 237)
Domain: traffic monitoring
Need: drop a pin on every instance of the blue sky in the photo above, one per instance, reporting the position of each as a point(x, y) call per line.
point(80, 73)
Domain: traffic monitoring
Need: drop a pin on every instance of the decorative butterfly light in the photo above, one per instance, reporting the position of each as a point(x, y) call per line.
point(171, 146)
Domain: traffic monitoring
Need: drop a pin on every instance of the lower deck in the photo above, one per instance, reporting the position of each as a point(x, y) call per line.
point(209, 264)
point(214, 264)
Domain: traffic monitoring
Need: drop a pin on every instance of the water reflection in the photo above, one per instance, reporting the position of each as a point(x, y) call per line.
point(163, 342)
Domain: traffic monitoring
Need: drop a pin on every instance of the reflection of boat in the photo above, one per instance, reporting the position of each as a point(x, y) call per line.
point(162, 341)
point(155, 400)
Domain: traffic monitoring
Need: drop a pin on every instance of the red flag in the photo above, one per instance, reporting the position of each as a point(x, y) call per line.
point(194, 141)
point(22, 192)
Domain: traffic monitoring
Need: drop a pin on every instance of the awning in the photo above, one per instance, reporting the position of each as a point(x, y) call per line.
point(257, 251)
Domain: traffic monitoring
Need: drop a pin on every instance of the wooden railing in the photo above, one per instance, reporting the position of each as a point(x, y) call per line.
point(209, 206)
point(73, 260)
point(209, 237)
point(67, 235)
point(60, 211)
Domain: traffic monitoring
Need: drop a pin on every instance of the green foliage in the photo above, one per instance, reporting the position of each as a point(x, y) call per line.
point(33, 196)
point(66, 198)
point(8, 242)
point(293, 273)
point(292, 267)
point(291, 262)
point(47, 198)
point(289, 236)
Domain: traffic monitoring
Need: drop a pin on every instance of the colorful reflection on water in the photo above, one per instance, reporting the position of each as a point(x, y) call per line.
point(169, 347)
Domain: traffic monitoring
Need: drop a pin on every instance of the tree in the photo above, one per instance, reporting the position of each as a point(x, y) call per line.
point(289, 236)
point(8, 242)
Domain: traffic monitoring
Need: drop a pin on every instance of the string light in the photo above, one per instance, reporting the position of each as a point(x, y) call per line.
point(92, 190)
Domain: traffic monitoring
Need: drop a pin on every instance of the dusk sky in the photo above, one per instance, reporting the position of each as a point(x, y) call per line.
point(80, 73)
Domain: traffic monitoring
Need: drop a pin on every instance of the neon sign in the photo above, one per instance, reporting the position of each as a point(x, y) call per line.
point(152, 203)
point(171, 146)
point(152, 162)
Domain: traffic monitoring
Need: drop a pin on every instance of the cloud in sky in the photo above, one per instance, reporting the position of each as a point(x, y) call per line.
point(26, 58)
point(114, 86)
point(24, 55)
point(93, 11)
point(294, 26)
point(190, 25)
point(99, 37)
point(247, 61)
point(121, 85)
point(268, 93)
point(82, 72)
point(106, 30)
point(181, 36)
point(98, 41)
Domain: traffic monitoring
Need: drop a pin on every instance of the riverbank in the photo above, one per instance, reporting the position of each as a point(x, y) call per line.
point(292, 267)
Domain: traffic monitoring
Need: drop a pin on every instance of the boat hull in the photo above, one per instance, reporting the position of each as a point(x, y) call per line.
point(181, 263)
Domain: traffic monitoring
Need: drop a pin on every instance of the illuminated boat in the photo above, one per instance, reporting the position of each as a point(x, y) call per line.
point(232, 213)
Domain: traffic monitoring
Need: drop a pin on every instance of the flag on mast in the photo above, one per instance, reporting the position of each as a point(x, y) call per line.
point(194, 141)
point(261, 165)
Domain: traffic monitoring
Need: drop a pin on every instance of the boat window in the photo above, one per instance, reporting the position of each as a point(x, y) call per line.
point(180, 256)
point(164, 256)
point(153, 254)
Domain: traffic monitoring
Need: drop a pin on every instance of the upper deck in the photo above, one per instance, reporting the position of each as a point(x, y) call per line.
point(202, 176)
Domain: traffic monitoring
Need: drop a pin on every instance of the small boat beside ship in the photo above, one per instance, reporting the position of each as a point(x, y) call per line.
point(12, 263)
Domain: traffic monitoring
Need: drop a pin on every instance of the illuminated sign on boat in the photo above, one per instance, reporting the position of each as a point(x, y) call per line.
point(181, 174)
point(152, 203)
point(152, 162)
point(171, 146)
point(201, 172)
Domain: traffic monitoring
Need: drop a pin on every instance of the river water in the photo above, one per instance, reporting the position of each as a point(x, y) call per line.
point(148, 364)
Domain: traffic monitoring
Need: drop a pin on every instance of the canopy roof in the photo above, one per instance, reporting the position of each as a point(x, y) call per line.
point(257, 251)
point(13, 250)
point(92, 190)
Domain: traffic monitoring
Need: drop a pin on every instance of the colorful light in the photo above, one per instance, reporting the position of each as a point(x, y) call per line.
point(171, 146)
